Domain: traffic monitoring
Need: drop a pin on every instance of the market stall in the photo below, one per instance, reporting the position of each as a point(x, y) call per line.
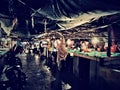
point(90, 66)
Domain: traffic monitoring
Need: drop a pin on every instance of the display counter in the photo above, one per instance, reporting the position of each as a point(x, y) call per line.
point(88, 67)
point(95, 55)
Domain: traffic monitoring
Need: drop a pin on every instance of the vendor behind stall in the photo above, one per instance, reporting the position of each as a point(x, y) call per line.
point(114, 47)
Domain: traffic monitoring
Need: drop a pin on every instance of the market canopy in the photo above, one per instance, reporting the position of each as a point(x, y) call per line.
point(72, 15)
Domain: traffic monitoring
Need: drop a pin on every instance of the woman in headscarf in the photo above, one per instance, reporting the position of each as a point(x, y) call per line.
point(61, 53)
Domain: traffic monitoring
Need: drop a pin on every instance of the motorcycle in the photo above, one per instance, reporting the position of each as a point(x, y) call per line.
point(12, 78)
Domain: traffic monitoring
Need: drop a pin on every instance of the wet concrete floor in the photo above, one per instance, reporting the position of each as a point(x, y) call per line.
point(39, 77)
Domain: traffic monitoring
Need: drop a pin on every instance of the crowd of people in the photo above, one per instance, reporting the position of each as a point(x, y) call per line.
point(54, 51)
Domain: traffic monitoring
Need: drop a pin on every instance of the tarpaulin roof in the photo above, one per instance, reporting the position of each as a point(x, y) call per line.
point(66, 14)
point(71, 13)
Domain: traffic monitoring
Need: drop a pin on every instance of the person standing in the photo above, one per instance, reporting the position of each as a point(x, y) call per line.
point(2, 32)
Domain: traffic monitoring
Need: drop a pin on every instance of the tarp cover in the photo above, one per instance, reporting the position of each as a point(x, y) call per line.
point(66, 14)
point(71, 13)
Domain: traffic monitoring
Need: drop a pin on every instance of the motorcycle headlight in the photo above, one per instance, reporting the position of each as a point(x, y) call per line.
point(18, 66)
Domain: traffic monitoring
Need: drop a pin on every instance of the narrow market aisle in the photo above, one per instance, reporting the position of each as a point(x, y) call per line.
point(41, 77)
point(38, 75)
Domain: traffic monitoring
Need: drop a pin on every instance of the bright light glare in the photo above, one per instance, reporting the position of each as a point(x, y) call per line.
point(48, 39)
point(95, 40)
point(69, 42)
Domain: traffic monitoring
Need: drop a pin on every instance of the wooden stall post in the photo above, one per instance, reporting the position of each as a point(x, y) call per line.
point(109, 41)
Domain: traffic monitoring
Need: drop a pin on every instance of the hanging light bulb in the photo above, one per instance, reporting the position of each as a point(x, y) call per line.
point(32, 19)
